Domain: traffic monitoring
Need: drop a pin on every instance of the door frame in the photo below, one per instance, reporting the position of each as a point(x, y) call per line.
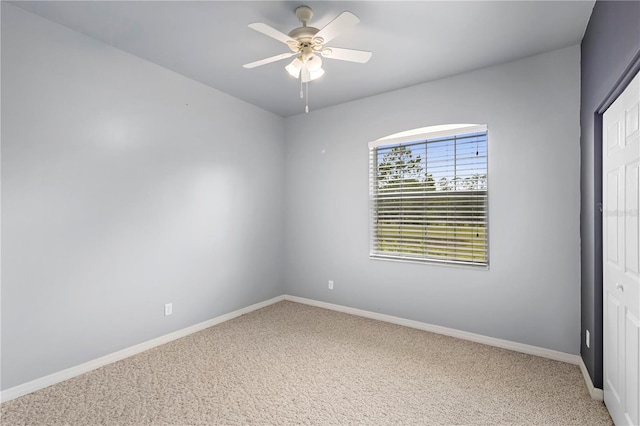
point(623, 81)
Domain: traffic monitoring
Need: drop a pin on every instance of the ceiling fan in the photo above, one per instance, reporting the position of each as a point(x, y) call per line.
point(308, 46)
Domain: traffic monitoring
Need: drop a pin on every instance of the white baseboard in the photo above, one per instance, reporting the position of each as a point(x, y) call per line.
point(596, 393)
point(464, 335)
point(69, 373)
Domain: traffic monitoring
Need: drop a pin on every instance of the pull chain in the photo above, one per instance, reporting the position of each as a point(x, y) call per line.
point(302, 93)
point(306, 107)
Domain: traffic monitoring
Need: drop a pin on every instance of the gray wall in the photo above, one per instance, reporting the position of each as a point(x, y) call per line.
point(610, 43)
point(530, 294)
point(124, 186)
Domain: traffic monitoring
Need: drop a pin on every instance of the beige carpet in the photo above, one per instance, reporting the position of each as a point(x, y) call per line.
point(292, 364)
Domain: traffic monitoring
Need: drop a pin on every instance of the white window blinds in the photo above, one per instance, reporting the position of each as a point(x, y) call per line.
point(428, 196)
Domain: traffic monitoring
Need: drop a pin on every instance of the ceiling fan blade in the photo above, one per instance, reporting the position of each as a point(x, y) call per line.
point(344, 21)
point(271, 32)
point(269, 60)
point(351, 55)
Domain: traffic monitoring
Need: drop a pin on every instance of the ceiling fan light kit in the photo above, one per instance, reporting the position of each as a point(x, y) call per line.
point(307, 44)
point(294, 68)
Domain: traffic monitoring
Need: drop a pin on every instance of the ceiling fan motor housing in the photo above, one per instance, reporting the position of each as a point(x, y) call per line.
point(306, 43)
point(303, 33)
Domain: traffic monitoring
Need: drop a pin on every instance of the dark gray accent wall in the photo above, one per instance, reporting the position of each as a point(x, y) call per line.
point(610, 49)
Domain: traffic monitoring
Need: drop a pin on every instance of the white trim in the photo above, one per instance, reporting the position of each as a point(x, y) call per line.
point(69, 373)
point(596, 393)
point(432, 132)
point(464, 335)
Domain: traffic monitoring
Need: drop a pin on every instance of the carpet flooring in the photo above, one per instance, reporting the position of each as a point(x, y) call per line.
point(293, 364)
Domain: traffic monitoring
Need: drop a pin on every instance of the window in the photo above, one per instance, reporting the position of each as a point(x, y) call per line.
point(428, 195)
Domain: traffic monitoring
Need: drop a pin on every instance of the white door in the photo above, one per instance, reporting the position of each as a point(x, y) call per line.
point(621, 256)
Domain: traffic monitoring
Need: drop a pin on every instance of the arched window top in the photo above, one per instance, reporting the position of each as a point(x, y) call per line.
point(431, 132)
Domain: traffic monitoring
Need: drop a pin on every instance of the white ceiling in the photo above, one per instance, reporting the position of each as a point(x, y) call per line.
point(412, 41)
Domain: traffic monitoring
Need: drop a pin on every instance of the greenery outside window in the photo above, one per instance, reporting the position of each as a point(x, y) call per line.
point(428, 192)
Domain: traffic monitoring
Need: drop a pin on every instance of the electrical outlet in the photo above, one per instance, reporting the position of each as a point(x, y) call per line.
point(168, 309)
point(330, 285)
point(587, 338)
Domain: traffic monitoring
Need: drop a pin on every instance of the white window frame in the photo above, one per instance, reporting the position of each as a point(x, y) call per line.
point(421, 135)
